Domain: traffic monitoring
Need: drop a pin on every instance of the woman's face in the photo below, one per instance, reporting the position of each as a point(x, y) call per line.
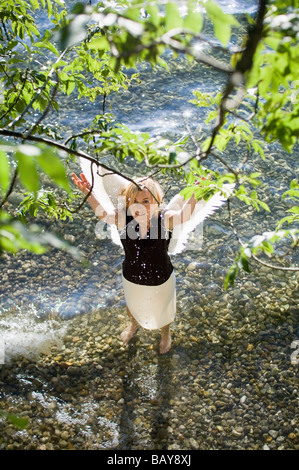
point(143, 206)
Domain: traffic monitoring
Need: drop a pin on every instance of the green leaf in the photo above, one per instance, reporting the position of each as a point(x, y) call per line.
point(50, 8)
point(47, 45)
point(34, 4)
point(257, 145)
point(18, 422)
point(154, 14)
point(293, 192)
point(193, 21)
point(51, 200)
point(26, 155)
point(172, 158)
point(264, 205)
point(222, 22)
point(4, 172)
point(98, 43)
point(53, 166)
point(231, 276)
point(244, 263)
point(173, 17)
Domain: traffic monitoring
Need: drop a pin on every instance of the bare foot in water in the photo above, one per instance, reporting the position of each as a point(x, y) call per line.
point(128, 333)
point(165, 343)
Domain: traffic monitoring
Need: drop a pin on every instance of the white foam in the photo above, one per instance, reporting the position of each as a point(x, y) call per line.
point(26, 335)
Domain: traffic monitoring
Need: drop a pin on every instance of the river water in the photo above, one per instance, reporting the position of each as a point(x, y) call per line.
point(230, 380)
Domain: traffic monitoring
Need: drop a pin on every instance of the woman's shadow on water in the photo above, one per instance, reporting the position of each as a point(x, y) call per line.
point(160, 415)
point(157, 408)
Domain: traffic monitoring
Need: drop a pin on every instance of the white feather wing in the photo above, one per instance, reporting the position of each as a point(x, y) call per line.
point(107, 188)
point(203, 209)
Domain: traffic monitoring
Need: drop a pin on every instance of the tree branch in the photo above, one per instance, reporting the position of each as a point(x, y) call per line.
point(168, 40)
point(77, 153)
point(236, 79)
point(81, 134)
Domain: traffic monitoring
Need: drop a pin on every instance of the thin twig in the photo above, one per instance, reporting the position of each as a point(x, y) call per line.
point(271, 266)
point(73, 211)
point(231, 221)
point(7, 76)
point(104, 103)
point(44, 114)
point(283, 255)
point(81, 134)
point(13, 181)
point(38, 93)
point(199, 151)
point(17, 97)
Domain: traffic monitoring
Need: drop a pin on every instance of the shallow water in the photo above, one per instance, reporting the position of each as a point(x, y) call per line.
point(231, 378)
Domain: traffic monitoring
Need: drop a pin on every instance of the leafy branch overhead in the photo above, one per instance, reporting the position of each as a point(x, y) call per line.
point(92, 51)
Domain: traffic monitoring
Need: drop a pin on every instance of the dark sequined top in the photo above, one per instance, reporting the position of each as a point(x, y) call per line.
point(147, 261)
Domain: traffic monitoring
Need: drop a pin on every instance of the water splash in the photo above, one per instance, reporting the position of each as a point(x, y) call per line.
point(25, 334)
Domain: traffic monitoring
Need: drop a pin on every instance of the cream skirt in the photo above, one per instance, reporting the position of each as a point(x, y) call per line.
point(152, 306)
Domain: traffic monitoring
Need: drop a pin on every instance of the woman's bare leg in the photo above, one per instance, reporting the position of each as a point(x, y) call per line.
point(165, 344)
point(128, 333)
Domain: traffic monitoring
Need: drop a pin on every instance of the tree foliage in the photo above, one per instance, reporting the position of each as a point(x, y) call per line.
point(90, 51)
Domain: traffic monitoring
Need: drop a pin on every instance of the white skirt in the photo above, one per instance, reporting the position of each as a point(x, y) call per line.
point(152, 306)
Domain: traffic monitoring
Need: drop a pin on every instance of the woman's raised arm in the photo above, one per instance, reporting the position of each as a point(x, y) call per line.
point(114, 218)
point(178, 217)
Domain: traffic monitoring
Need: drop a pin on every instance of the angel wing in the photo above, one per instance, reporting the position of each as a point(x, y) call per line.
point(203, 209)
point(107, 188)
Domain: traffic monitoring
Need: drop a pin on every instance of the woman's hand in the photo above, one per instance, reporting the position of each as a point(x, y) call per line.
point(82, 183)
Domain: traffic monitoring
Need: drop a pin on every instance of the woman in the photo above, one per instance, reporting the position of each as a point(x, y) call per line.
point(145, 232)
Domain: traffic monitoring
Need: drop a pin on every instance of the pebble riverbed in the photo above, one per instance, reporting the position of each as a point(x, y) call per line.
point(230, 380)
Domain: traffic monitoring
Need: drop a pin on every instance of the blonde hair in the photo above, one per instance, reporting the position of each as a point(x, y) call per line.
point(143, 183)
